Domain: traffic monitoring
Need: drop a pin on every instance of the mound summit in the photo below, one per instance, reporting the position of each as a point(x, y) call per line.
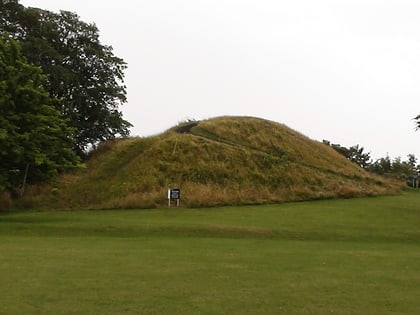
point(219, 161)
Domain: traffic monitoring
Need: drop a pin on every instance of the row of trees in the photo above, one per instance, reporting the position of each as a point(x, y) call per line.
point(60, 93)
point(397, 168)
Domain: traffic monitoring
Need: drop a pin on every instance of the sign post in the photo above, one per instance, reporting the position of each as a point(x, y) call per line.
point(174, 194)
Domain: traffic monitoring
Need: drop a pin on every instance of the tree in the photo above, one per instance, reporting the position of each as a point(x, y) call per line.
point(354, 153)
point(412, 161)
point(381, 166)
point(82, 73)
point(403, 170)
point(35, 141)
point(417, 119)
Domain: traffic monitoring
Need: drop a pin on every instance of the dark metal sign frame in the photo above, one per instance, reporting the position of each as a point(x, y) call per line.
point(174, 194)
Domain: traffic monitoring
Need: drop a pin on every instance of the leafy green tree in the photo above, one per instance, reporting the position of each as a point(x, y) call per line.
point(340, 149)
point(404, 169)
point(355, 153)
point(359, 157)
point(82, 73)
point(412, 161)
point(397, 168)
point(381, 166)
point(35, 141)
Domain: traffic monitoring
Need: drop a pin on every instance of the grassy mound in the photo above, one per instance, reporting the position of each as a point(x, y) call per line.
point(220, 161)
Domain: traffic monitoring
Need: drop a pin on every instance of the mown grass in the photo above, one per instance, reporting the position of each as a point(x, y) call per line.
point(355, 256)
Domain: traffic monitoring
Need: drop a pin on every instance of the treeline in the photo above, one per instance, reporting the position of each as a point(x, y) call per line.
point(404, 170)
point(60, 93)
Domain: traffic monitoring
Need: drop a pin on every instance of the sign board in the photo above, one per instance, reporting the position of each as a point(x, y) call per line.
point(174, 194)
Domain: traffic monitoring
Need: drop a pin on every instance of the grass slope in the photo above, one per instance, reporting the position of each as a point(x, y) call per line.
point(354, 256)
point(220, 161)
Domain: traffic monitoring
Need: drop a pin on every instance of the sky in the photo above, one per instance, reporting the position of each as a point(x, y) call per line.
point(347, 71)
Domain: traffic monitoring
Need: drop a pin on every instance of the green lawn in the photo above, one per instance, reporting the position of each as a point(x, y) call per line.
point(355, 256)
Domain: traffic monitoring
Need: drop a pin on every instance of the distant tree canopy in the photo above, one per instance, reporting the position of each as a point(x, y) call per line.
point(397, 168)
point(83, 76)
point(35, 140)
point(354, 154)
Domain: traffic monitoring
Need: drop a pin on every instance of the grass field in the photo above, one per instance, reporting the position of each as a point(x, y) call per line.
point(354, 256)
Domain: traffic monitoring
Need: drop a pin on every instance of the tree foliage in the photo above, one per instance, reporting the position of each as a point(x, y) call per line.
point(403, 170)
point(355, 153)
point(83, 74)
point(35, 141)
point(397, 168)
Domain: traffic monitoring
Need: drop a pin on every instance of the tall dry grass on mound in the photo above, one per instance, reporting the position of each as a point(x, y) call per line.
point(221, 161)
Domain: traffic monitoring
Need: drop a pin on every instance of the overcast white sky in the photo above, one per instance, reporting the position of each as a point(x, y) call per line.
point(343, 70)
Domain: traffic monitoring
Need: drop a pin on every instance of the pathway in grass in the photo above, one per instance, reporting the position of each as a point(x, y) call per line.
point(357, 256)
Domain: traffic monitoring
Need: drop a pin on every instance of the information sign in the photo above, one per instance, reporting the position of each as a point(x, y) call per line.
point(174, 194)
